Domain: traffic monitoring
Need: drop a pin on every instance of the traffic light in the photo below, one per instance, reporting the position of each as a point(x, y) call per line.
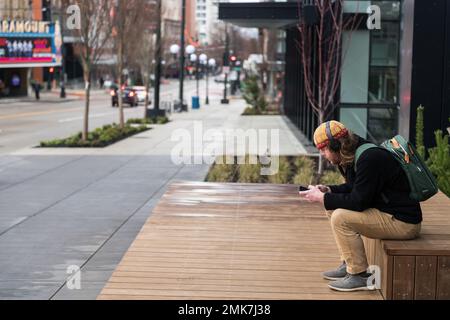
point(52, 70)
point(46, 10)
point(233, 59)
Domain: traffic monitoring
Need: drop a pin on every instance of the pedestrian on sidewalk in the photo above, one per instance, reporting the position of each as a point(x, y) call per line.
point(36, 88)
point(374, 202)
point(2, 87)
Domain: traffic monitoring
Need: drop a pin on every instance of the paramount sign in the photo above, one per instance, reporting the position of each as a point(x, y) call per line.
point(27, 44)
point(24, 26)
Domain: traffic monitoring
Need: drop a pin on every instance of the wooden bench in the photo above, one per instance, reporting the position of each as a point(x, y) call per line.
point(252, 241)
point(230, 241)
point(417, 269)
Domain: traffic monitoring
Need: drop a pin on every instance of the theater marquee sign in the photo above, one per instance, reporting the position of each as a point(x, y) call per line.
point(29, 44)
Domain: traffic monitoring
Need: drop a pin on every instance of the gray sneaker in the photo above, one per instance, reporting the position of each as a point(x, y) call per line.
point(337, 274)
point(353, 283)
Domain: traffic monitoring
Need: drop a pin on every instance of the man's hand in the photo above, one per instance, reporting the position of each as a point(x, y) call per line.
point(324, 189)
point(313, 195)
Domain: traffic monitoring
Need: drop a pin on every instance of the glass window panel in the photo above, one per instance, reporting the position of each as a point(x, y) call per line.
point(382, 124)
point(383, 85)
point(355, 70)
point(385, 45)
point(355, 119)
point(389, 9)
point(356, 6)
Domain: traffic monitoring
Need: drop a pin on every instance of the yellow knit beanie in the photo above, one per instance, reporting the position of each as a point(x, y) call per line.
point(321, 140)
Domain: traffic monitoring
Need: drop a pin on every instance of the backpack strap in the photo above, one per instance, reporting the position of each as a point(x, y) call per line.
point(361, 150)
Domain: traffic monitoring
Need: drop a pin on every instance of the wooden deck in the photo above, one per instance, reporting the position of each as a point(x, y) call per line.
point(230, 241)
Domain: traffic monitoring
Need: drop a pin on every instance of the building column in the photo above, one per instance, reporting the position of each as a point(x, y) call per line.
point(406, 49)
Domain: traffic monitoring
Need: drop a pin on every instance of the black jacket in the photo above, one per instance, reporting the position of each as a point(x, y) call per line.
point(379, 183)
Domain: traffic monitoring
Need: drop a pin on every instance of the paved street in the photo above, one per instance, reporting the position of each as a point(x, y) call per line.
point(26, 123)
point(64, 207)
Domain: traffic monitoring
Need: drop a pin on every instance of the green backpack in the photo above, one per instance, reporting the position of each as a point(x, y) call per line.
point(421, 180)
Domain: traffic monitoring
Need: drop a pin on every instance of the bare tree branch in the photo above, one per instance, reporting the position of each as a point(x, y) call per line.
point(324, 38)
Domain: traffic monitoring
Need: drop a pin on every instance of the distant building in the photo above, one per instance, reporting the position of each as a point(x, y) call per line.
point(171, 24)
point(30, 44)
point(207, 17)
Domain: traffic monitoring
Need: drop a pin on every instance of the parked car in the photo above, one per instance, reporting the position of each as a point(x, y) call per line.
point(129, 96)
point(108, 84)
point(220, 78)
point(141, 94)
point(232, 76)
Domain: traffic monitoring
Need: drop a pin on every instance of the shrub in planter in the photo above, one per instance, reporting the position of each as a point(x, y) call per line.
point(157, 120)
point(284, 172)
point(249, 173)
point(162, 120)
point(221, 171)
point(261, 103)
point(439, 162)
point(332, 178)
point(305, 171)
point(100, 137)
point(304, 177)
point(250, 111)
point(305, 162)
point(140, 121)
point(251, 91)
point(420, 146)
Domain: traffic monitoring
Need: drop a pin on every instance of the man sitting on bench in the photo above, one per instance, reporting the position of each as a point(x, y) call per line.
point(374, 202)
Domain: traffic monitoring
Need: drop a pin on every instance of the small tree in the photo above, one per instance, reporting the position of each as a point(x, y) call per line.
point(439, 162)
point(420, 145)
point(92, 39)
point(127, 13)
point(251, 91)
point(140, 49)
point(253, 94)
point(321, 54)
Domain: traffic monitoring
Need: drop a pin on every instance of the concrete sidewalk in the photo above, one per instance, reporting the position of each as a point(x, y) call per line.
point(64, 207)
point(53, 96)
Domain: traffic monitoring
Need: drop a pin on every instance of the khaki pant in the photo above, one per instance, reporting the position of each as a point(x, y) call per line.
point(348, 227)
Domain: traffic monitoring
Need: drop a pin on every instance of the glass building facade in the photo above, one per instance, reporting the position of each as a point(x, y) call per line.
point(369, 99)
point(386, 73)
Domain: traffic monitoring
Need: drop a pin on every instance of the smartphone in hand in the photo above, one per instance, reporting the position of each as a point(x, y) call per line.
point(302, 189)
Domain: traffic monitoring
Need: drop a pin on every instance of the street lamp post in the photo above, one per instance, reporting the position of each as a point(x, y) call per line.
point(226, 65)
point(195, 99)
point(62, 94)
point(174, 50)
point(155, 112)
point(211, 64)
point(182, 57)
point(203, 61)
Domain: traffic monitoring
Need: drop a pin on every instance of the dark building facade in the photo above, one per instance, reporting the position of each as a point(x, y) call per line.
point(386, 73)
